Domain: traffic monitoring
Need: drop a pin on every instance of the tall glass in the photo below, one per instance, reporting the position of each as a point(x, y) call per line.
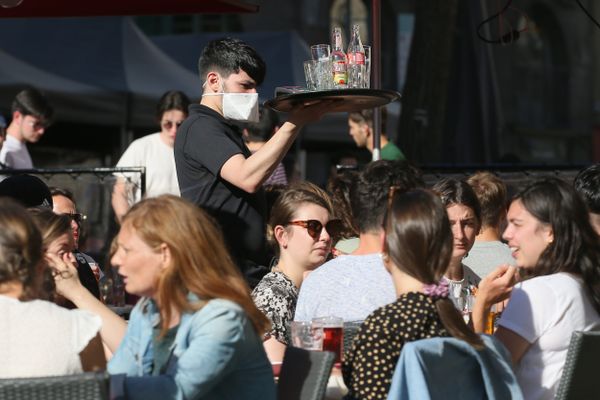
point(490, 323)
point(367, 75)
point(320, 52)
point(333, 335)
point(306, 335)
point(310, 74)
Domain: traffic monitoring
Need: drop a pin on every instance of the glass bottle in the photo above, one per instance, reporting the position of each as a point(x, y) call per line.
point(356, 60)
point(339, 61)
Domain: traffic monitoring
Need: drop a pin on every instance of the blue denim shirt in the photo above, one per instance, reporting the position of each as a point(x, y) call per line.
point(216, 355)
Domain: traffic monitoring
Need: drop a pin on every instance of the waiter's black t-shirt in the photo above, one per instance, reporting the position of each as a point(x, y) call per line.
point(204, 142)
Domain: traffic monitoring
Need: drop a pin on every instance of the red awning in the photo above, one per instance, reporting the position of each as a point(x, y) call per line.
point(91, 8)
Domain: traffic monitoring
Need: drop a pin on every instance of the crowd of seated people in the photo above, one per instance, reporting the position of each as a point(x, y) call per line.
point(198, 331)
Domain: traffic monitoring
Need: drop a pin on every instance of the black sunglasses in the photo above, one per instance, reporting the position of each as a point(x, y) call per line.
point(169, 124)
point(77, 217)
point(314, 227)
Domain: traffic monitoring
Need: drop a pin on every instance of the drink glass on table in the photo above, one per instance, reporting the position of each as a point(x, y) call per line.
point(306, 335)
point(490, 322)
point(333, 335)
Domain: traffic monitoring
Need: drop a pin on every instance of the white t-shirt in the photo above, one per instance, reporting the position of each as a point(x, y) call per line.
point(39, 338)
point(545, 311)
point(14, 154)
point(159, 159)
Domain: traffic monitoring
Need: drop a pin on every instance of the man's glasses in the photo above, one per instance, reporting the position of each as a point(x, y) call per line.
point(37, 124)
point(77, 217)
point(168, 125)
point(313, 227)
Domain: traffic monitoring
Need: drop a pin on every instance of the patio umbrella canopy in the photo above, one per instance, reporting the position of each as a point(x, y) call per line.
point(78, 8)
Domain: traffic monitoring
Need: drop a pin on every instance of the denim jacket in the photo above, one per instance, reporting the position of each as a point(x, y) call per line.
point(216, 354)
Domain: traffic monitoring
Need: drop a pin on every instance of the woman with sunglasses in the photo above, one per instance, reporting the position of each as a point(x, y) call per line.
point(155, 152)
point(301, 230)
point(417, 247)
point(555, 246)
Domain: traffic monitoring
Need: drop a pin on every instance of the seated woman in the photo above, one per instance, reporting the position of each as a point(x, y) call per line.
point(301, 231)
point(38, 338)
point(554, 244)
point(416, 250)
point(464, 213)
point(57, 240)
point(195, 333)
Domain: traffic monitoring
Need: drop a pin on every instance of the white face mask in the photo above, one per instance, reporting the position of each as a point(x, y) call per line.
point(239, 106)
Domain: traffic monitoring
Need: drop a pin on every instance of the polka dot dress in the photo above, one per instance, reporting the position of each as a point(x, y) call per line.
point(370, 363)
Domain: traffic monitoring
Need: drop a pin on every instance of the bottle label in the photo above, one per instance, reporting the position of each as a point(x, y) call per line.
point(356, 58)
point(340, 74)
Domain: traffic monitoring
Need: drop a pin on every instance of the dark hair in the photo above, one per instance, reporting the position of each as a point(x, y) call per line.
point(369, 192)
point(262, 130)
point(28, 190)
point(56, 191)
point(20, 248)
point(172, 100)
point(289, 201)
point(587, 184)
point(365, 116)
point(491, 194)
point(454, 191)
point(338, 187)
point(418, 240)
point(576, 246)
point(227, 56)
point(33, 102)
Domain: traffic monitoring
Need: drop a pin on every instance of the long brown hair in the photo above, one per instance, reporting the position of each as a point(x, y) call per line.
point(200, 262)
point(20, 248)
point(418, 240)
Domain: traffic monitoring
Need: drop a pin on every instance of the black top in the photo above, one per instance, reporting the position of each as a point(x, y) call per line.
point(204, 142)
point(370, 363)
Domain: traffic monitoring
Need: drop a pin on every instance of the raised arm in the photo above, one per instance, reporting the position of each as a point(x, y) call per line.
point(249, 173)
point(119, 199)
point(68, 285)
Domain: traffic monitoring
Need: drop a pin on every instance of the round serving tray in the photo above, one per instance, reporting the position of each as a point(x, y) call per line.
point(343, 100)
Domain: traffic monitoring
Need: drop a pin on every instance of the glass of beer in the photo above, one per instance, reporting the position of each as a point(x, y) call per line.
point(490, 321)
point(333, 335)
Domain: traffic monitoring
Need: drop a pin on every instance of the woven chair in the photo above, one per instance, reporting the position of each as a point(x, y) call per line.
point(580, 376)
point(86, 386)
point(350, 330)
point(304, 374)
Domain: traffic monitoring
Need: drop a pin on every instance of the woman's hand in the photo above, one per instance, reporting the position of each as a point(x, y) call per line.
point(64, 270)
point(497, 285)
point(494, 288)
